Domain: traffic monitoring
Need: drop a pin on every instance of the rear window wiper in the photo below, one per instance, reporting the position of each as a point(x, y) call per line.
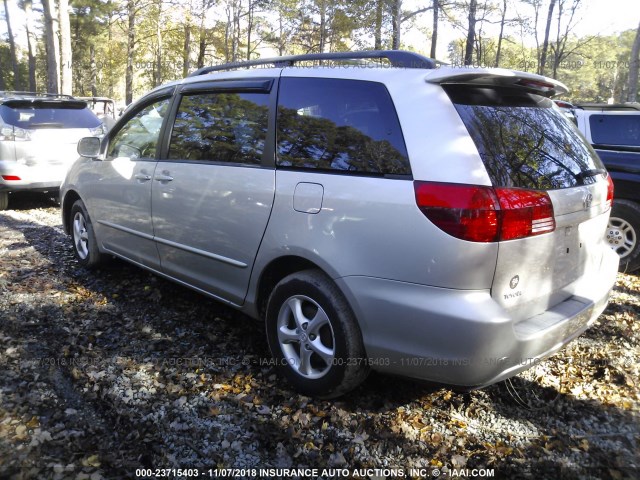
point(590, 173)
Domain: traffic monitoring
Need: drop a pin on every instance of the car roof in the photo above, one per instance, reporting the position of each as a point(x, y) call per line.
point(19, 95)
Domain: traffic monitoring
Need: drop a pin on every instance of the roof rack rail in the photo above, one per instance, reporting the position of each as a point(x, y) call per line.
point(34, 94)
point(397, 58)
point(608, 106)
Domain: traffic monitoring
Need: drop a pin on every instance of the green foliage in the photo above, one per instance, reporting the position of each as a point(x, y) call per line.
point(596, 69)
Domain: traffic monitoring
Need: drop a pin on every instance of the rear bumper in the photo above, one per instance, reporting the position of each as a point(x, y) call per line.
point(31, 187)
point(33, 178)
point(463, 337)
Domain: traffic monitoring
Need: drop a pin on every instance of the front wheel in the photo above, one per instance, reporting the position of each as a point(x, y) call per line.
point(85, 245)
point(623, 233)
point(314, 337)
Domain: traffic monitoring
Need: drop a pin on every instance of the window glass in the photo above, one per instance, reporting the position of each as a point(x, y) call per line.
point(220, 127)
point(522, 140)
point(138, 138)
point(43, 115)
point(615, 129)
point(339, 125)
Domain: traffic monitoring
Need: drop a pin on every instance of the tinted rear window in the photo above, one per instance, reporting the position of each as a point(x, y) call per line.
point(615, 129)
point(45, 115)
point(523, 141)
point(339, 125)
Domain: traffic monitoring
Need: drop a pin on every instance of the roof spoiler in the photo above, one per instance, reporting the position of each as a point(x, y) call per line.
point(501, 77)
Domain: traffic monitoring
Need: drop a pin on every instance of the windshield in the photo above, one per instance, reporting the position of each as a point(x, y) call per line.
point(45, 115)
point(523, 141)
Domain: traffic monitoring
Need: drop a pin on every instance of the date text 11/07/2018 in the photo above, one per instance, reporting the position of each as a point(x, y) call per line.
point(310, 472)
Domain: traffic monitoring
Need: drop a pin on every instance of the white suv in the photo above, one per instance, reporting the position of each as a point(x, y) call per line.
point(39, 134)
point(438, 223)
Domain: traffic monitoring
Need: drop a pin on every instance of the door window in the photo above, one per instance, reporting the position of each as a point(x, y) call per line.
point(138, 138)
point(220, 127)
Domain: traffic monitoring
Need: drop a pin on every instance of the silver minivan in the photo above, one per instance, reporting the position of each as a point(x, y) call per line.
point(377, 212)
point(39, 134)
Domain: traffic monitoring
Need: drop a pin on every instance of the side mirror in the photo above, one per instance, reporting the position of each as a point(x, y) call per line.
point(89, 147)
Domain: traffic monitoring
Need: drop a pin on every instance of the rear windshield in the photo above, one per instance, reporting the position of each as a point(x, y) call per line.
point(47, 115)
point(615, 129)
point(523, 141)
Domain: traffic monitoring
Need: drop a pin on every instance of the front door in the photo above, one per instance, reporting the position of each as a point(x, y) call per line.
point(121, 188)
point(212, 196)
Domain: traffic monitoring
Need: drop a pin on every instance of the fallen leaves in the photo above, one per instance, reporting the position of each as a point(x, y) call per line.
point(132, 390)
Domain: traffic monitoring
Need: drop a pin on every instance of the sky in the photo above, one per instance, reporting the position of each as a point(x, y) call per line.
point(603, 17)
point(596, 17)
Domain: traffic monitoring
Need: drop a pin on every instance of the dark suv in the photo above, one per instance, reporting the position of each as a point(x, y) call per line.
point(614, 132)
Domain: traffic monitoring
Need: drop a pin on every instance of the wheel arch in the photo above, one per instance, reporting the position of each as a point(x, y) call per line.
point(67, 202)
point(276, 270)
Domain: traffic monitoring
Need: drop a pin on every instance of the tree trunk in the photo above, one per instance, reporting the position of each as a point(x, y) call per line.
point(66, 86)
point(249, 27)
point(186, 50)
point(94, 70)
point(235, 54)
point(471, 33)
point(52, 46)
point(397, 24)
point(17, 85)
point(634, 65)
point(31, 42)
point(377, 34)
point(545, 44)
point(434, 33)
point(202, 39)
point(323, 25)
point(157, 80)
point(504, 14)
point(110, 59)
point(131, 43)
point(281, 39)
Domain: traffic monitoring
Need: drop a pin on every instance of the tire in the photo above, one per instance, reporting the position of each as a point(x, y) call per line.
point(4, 200)
point(325, 359)
point(623, 234)
point(83, 237)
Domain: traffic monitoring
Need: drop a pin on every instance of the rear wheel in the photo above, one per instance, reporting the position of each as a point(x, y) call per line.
point(85, 245)
point(314, 337)
point(623, 233)
point(4, 200)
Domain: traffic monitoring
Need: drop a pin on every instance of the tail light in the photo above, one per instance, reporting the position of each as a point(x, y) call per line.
point(485, 214)
point(14, 134)
point(11, 178)
point(609, 191)
point(99, 131)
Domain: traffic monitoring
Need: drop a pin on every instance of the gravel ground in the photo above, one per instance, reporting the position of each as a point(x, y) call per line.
point(104, 373)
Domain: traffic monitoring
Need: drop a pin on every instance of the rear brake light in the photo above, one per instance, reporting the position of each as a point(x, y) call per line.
point(10, 177)
point(609, 191)
point(537, 84)
point(485, 214)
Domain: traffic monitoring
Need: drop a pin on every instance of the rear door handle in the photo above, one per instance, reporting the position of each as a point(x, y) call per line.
point(165, 177)
point(143, 177)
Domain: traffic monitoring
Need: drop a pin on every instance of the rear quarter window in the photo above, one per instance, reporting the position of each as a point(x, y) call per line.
point(523, 141)
point(348, 126)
